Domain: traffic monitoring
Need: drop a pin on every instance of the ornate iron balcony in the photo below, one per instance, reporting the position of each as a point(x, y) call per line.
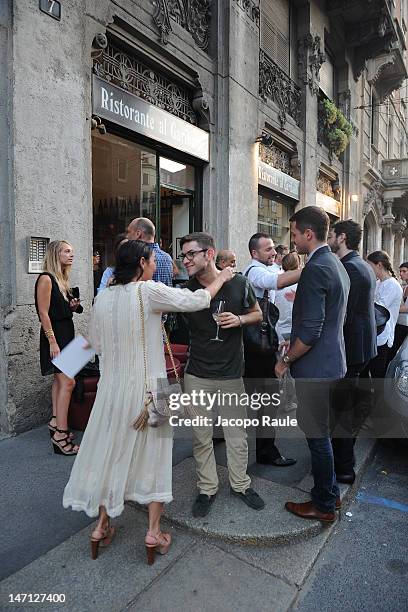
point(275, 84)
point(131, 74)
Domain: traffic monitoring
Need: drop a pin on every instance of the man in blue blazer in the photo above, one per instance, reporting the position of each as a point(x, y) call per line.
point(317, 356)
point(360, 336)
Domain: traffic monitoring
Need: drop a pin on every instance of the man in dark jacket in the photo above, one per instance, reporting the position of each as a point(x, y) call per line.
point(316, 355)
point(360, 336)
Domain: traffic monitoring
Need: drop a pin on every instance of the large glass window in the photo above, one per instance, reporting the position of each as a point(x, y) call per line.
point(123, 187)
point(131, 181)
point(273, 217)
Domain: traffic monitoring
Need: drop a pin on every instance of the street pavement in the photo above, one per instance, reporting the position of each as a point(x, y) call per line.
point(364, 565)
point(360, 564)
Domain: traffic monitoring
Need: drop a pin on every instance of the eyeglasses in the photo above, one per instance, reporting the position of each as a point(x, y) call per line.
point(190, 254)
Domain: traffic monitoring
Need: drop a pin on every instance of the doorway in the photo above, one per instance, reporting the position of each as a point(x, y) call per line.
point(130, 180)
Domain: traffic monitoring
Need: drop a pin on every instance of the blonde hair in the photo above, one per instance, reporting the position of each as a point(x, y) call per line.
point(53, 266)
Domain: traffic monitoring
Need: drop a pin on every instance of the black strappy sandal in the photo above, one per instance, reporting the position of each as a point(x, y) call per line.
point(60, 445)
point(53, 429)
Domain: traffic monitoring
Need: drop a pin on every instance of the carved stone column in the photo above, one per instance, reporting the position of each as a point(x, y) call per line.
point(387, 224)
point(310, 59)
point(405, 246)
point(398, 229)
point(234, 194)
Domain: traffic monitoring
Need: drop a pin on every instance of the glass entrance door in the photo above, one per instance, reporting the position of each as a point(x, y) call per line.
point(177, 183)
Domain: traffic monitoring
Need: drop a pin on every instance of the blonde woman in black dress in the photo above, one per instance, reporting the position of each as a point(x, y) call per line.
point(55, 305)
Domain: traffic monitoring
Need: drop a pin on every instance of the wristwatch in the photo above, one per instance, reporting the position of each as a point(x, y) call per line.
point(286, 359)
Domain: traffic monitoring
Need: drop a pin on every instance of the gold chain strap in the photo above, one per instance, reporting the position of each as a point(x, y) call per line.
point(139, 292)
point(170, 352)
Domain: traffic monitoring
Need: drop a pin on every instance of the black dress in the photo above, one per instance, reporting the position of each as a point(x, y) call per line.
point(61, 321)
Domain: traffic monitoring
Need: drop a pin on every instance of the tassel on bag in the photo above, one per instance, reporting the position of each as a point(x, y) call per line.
point(141, 420)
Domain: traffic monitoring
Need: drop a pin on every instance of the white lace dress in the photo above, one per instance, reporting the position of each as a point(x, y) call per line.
point(115, 462)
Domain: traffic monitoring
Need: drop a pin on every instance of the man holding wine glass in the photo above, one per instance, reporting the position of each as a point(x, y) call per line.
point(216, 365)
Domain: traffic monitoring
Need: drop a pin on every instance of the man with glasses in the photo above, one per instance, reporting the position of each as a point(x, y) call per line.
point(215, 365)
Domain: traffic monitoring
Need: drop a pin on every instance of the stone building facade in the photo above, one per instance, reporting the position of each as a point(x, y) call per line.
point(201, 114)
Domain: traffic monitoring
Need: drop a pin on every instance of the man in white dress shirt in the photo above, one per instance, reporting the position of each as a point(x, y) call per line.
point(263, 276)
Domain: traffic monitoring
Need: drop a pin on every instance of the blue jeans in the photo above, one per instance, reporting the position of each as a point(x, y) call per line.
point(314, 398)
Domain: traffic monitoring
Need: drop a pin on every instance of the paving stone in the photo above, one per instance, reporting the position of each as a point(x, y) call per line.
point(207, 579)
point(107, 584)
point(291, 562)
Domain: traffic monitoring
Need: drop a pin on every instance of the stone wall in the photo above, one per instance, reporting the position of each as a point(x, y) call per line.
point(6, 209)
point(51, 183)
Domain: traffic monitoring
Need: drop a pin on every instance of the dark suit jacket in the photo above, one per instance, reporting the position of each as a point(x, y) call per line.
point(318, 317)
point(360, 332)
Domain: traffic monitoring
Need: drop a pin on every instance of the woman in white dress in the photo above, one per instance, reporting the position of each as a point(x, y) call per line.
point(115, 462)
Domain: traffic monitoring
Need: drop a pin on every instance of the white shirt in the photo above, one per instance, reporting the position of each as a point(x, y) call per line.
point(309, 257)
point(275, 267)
point(285, 307)
point(262, 277)
point(389, 294)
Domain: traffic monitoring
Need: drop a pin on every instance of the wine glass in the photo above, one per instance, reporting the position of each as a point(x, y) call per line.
point(217, 307)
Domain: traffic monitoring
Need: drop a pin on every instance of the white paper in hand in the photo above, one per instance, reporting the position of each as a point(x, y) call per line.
point(74, 356)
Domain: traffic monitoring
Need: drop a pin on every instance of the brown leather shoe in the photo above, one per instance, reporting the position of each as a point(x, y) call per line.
point(308, 511)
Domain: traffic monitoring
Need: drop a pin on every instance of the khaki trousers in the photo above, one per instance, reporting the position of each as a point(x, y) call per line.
point(235, 436)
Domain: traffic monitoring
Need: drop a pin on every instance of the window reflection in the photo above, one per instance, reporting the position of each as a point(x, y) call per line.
point(123, 187)
point(273, 218)
point(126, 186)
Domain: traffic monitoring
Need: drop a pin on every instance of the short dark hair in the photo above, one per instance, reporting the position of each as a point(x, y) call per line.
point(128, 258)
point(281, 248)
point(205, 241)
point(353, 232)
point(313, 218)
point(254, 241)
point(404, 265)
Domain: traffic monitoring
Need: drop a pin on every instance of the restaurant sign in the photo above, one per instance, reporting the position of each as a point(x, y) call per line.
point(329, 204)
point(128, 110)
point(278, 181)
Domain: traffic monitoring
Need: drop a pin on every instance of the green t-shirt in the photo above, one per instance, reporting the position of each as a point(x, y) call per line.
point(219, 360)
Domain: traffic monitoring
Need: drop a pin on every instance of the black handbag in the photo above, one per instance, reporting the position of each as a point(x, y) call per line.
point(262, 338)
point(89, 370)
point(382, 315)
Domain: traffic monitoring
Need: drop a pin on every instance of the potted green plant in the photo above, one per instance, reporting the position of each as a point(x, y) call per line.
point(336, 129)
